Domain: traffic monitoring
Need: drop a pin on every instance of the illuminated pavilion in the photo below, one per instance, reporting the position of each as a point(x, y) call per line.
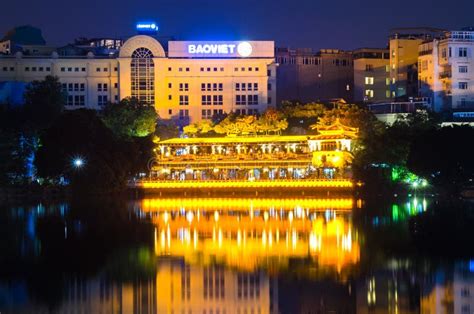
point(321, 160)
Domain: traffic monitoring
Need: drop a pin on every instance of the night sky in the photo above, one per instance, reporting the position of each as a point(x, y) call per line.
point(298, 23)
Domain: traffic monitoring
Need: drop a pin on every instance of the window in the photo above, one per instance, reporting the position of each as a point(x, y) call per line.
point(369, 93)
point(70, 100)
point(183, 87)
point(169, 97)
point(202, 69)
point(369, 80)
point(236, 69)
point(240, 99)
point(106, 69)
point(180, 69)
point(249, 86)
point(206, 100)
point(257, 69)
point(183, 100)
point(203, 87)
point(255, 86)
point(169, 69)
point(208, 87)
point(76, 87)
point(237, 87)
point(187, 69)
point(41, 69)
point(444, 53)
point(83, 69)
point(48, 69)
point(33, 69)
point(13, 69)
point(252, 100)
point(81, 101)
point(269, 100)
point(463, 69)
point(115, 85)
point(70, 87)
point(170, 111)
point(208, 69)
point(69, 69)
point(217, 100)
point(215, 69)
point(387, 81)
point(450, 52)
point(206, 113)
point(99, 87)
point(462, 52)
point(115, 69)
point(387, 94)
point(269, 86)
point(27, 69)
point(214, 87)
point(102, 100)
point(369, 67)
point(183, 113)
point(76, 69)
point(462, 85)
point(250, 69)
point(221, 87)
point(5, 69)
point(269, 72)
point(63, 69)
point(143, 76)
point(222, 69)
point(97, 69)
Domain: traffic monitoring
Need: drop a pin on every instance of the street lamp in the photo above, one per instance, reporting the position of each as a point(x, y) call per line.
point(78, 162)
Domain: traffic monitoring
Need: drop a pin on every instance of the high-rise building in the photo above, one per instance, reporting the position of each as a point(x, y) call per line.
point(446, 71)
point(371, 75)
point(307, 76)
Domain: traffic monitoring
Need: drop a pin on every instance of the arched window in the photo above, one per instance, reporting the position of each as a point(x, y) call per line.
point(143, 76)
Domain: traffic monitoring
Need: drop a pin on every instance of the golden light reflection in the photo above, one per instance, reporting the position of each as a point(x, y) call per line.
point(257, 232)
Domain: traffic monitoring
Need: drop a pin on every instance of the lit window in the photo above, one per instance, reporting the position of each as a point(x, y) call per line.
point(369, 80)
point(369, 93)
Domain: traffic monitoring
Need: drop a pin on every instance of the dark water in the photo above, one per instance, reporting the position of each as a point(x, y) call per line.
point(217, 256)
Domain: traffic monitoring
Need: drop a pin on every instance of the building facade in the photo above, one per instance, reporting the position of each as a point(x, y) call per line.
point(187, 82)
point(371, 75)
point(403, 47)
point(308, 76)
point(446, 71)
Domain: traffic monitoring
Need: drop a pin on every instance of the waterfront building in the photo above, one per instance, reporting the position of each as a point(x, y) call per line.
point(371, 75)
point(186, 81)
point(259, 161)
point(446, 71)
point(308, 76)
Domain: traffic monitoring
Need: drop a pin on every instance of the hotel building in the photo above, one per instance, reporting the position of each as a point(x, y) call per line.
point(188, 81)
point(446, 71)
point(371, 75)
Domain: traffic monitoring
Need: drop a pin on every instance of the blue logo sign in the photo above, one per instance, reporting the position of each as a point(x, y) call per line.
point(147, 27)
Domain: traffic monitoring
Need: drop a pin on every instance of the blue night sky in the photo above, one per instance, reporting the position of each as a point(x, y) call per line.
point(296, 23)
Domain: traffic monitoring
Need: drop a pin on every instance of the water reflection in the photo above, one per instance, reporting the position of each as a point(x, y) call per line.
point(224, 256)
point(247, 234)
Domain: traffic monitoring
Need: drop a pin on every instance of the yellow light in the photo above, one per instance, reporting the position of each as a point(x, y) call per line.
point(190, 216)
point(216, 216)
point(265, 216)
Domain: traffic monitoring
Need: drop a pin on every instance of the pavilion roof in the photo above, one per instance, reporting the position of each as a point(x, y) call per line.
point(238, 140)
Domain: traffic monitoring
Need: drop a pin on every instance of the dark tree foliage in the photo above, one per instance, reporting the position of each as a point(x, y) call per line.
point(109, 161)
point(445, 156)
point(44, 102)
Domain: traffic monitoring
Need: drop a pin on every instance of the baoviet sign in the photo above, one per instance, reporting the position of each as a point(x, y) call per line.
point(221, 49)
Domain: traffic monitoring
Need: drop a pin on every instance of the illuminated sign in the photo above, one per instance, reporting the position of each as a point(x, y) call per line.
point(244, 49)
point(147, 27)
point(221, 49)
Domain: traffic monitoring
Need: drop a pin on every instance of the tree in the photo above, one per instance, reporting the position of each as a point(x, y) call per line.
point(444, 156)
point(130, 118)
point(108, 161)
point(44, 102)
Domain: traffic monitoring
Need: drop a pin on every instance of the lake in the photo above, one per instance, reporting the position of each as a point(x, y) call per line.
point(216, 255)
